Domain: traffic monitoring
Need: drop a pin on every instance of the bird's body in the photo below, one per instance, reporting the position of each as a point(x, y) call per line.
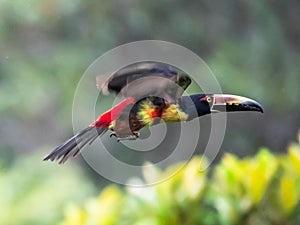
point(152, 93)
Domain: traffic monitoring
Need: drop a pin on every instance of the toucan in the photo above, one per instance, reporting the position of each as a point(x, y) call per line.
point(151, 93)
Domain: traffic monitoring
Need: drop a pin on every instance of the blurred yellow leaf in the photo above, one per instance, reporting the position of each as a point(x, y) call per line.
point(288, 193)
point(74, 216)
point(260, 172)
point(110, 202)
point(171, 180)
point(194, 179)
point(294, 157)
point(233, 168)
point(229, 175)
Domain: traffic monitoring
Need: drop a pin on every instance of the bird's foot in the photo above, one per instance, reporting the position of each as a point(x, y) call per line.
point(133, 136)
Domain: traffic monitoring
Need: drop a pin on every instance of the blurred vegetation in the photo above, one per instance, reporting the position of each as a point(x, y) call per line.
point(259, 190)
point(253, 47)
point(263, 189)
point(33, 192)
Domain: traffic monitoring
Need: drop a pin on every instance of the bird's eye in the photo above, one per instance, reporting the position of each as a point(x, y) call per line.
point(208, 99)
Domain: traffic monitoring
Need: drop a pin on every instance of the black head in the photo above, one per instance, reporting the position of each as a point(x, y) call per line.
point(195, 105)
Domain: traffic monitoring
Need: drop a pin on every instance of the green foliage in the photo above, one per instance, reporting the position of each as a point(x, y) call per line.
point(34, 192)
point(264, 189)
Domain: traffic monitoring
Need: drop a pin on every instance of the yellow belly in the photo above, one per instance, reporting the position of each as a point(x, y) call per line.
point(173, 114)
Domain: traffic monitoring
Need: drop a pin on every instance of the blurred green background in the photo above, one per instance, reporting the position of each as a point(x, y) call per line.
point(253, 48)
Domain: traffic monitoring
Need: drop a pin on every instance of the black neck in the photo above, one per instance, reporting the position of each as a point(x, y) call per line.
point(193, 106)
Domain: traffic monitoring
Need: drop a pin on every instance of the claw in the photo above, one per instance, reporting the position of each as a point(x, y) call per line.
point(113, 135)
point(136, 134)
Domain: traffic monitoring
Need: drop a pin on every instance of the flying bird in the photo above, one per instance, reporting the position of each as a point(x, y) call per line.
point(151, 93)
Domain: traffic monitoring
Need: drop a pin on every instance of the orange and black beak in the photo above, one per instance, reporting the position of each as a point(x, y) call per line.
point(232, 103)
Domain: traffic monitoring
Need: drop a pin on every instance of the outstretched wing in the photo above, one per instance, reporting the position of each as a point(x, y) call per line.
point(147, 79)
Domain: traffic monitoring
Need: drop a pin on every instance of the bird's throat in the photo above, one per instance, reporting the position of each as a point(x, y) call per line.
point(173, 113)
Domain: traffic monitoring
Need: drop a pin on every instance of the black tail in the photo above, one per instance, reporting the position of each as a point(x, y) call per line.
point(73, 146)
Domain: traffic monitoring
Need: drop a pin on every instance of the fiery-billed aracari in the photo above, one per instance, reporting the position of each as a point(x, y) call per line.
point(152, 93)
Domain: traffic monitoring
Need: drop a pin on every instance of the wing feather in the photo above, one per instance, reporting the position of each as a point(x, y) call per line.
point(147, 79)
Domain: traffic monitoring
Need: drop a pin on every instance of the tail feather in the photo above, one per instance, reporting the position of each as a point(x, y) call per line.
point(73, 146)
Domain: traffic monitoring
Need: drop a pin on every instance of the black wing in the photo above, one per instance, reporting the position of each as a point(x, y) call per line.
point(148, 79)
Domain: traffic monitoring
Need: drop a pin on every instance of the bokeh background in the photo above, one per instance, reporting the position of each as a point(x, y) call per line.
point(252, 47)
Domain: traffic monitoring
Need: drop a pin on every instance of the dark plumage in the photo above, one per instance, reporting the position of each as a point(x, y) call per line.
point(145, 79)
